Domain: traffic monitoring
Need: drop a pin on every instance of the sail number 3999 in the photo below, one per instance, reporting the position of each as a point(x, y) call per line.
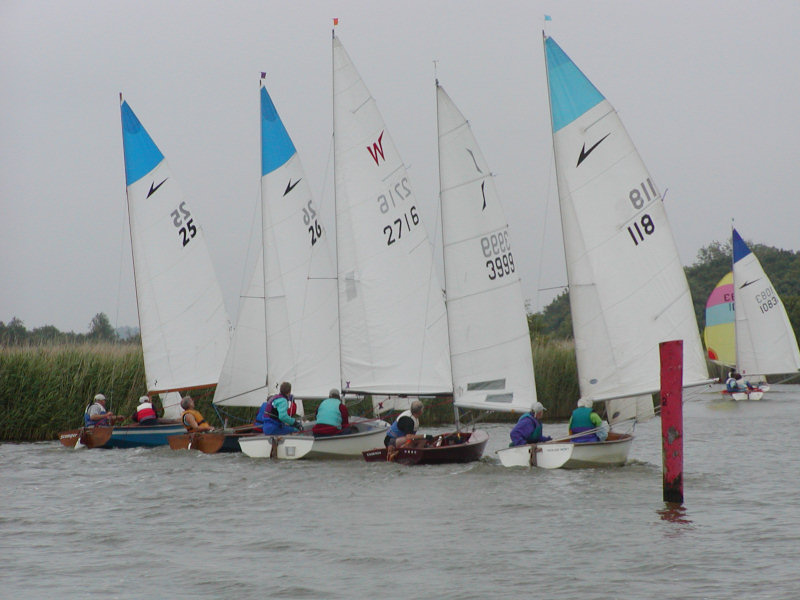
point(497, 249)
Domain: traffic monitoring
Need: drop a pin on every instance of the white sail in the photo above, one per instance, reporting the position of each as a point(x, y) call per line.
point(297, 332)
point(490, 347)
point(628, 291)
point(243, 380)
point(184, 326)
point(765, 340)
point(393, 327)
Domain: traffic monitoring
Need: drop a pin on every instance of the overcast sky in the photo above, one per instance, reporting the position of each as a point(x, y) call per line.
point(708, 91)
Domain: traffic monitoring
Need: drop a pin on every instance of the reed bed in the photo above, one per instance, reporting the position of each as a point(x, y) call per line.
point(45, 389)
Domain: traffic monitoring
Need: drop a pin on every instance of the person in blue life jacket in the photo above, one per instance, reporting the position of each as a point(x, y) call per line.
point(333, 417)
point(528, 429)
point(403, 432)
point(277, 415)
point(734, 383)
point(585, 419)
point(96, 413)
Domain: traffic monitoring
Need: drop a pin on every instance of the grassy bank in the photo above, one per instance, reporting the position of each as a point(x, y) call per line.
point(44, 390)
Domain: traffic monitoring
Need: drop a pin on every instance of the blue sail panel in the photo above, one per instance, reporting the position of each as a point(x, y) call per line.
point(740, 249)
point(276, 145)
point(571, 92)
point(141, 153)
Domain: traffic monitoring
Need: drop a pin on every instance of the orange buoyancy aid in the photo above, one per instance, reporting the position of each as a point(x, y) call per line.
point(197, 417)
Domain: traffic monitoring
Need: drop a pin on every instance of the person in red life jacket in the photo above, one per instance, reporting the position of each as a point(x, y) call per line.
point(332, 417)
point(191, 418)
point(96, 413)
point(145, 413)
point(277, 415)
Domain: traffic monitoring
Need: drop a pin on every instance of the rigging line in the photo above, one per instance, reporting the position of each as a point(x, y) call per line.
point(543, 236)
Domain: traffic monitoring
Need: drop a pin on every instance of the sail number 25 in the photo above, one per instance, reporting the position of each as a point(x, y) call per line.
point(182, 219)
point(643, 194)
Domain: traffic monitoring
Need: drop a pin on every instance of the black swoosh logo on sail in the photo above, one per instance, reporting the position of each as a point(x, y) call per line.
point(746, 283)
point(474, 161)
point(154, 187)
point(290, 185)
point(483, 191)
point(585, 153)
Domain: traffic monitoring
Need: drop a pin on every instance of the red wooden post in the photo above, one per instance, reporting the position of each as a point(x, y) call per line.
point(672, 419)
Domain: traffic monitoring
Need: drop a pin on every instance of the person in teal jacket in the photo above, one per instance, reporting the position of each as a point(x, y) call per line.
point(585, 419)
point(277, 413)
point(332, 416)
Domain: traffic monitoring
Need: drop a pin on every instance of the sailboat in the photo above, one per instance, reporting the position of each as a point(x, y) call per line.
point(627, 289)
point(765, 340)
point(184, 326)
point(492, 364)
point(288, 324)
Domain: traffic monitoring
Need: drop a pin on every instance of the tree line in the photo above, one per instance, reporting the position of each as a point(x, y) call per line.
point(14, 333)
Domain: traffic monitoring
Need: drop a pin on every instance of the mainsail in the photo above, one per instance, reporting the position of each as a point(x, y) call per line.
point(719, 334)
point(295, 338)
point(628, 291)
point(765, 340)
point(393, 326)
point(490, 347)
point(184, 326)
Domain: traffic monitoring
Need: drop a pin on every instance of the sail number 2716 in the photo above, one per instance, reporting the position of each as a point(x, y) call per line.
point(639, 196)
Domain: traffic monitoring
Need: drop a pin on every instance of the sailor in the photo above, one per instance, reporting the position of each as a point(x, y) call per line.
point(528, 429)
point(734, 383)
point(145, 413)
point(332, 416)
point(277, 415)
point(404, 429)
point(192, 420)
point(585, 419)
point(96, 413)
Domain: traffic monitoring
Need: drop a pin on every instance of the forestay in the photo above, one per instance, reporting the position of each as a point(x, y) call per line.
point(628, 291)
point(393, 326)
point(490, 345)
point(298, 292)
point(765, 340)
point(184, 326)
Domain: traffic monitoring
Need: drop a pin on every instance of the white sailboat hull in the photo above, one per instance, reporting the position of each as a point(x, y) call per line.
point(293, 447)
point(559, 455)
point(756, 394)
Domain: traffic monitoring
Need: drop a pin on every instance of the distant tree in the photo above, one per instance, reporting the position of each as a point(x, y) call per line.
point(100, 329)
point(47, 335)
point(13, 334)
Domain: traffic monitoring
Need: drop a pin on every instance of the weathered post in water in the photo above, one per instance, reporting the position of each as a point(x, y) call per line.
point(672, 419)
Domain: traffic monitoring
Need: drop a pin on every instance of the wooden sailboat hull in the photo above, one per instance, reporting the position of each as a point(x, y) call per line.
point(455, 447)
point(560, 455)
point(209, 442)
point(86, 437)
point(295, 446)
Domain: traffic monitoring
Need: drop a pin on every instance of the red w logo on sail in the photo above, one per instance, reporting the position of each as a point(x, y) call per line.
point(377, 149)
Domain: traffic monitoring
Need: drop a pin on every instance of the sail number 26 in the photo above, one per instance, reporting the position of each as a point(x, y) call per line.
point(182, 219)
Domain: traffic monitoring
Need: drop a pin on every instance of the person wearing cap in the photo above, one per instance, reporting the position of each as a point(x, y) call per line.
point(145, 413)
point(96, 413)
point(332, 416)
point(585, 419)
point(192, 420)
point(528, 429)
